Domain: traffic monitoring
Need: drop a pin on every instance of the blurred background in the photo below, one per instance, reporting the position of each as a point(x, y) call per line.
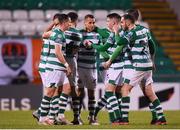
point(23, 21)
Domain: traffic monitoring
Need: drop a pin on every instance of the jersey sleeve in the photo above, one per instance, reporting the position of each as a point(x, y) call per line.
point(151, 43)
point(116, 53)
point(104, 47)
point(59, 39)
point(104, 33)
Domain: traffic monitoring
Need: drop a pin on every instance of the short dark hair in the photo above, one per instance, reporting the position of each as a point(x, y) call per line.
point(63, 18)
point(73, 16)
point(115, 16)
point(56, 16)
point(129, 17)
point(134, 13)
point(89, 16)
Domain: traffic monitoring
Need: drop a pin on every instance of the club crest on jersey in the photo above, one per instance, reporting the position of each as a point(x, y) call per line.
point(14, 54)
point(59, 36)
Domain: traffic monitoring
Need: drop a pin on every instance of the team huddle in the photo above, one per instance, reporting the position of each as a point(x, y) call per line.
point(122, 54)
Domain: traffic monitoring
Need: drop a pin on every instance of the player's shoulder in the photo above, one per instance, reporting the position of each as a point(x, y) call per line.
point(141, 27)
point(57, 31)
point(57, 34)
point(82, 31)
point(75, 30)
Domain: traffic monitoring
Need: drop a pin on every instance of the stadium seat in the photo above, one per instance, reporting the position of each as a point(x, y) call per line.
point(101, 23)
point(83, 12)
point(80, 25)
point(1, 29)
point(67, 11)
point(118, 11)
point(11, 29)
point(50, 13)
point(100, 14)
point(41, 27)
point(5, 15)
point(36, 15)
point(20, 15)
point(28, 29)
point(3, 22)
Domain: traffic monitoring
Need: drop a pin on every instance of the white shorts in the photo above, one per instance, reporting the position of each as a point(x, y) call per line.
point(87, 78)
point(73, 65)
point(56, 78)
point(134, 78)
point(114, 76)
point(43, 78)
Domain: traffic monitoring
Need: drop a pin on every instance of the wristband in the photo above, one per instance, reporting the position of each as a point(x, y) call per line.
point(66, 64)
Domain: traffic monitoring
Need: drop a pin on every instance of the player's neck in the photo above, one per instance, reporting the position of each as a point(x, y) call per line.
point(132, 26)
point(73, 25)
point(89, 30)
point(61, 28)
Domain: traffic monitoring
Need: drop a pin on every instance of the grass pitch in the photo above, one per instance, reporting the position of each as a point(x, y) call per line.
point(138, 120)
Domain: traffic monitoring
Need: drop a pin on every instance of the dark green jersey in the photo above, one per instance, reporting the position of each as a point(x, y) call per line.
point(73, 40)
point(87, 57)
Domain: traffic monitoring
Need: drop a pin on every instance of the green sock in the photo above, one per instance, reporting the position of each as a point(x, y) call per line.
point(45, 106)
point(125, 108)
point(112, 101)
point(91, 106)
point(54, 107)
point(153, 111)
point(101, 103)
point(111, 113)
point(62, 103)
point(158, 108)
point(76, 106)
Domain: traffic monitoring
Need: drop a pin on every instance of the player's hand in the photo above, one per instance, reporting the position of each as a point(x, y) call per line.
point(107, 64)
point(116, 28)
point(46, 35)
point(68, 71)
point(56, 21)
point(87, 43)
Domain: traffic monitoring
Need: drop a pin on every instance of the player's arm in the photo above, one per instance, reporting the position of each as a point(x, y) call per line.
point(152, 48)
point(60, 56)
point(104, 47)
point(104, 33)
point(105, 55)
point(47, 32)
point(116, 53)
point(59, 53)
point(152, 45)
point(121, 40)
point(50, 27)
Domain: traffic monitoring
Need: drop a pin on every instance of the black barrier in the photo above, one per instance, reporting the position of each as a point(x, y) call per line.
point(20, 97)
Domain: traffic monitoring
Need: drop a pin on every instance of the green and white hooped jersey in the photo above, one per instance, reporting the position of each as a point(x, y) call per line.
point(87, 57)
point(118, 62)
point(53, 63)
point(44, 55)
point(73, 40)
point(127, 58)
point(139, 50)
